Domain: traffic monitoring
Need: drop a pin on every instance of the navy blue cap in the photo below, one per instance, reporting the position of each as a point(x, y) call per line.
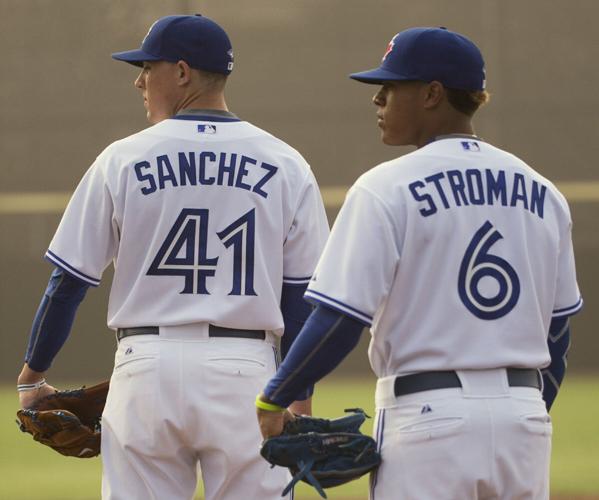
point(197, 40)
point(428, 54)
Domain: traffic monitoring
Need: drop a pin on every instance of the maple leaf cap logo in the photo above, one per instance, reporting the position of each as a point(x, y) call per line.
point(390, 47)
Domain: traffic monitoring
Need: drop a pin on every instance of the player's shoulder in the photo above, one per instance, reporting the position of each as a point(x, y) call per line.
point(518, 164)
point(388, 176)
point(379, 184)
point(494, 157)
point(398, 171)
point(129, 145)
point(280, 145)
point(294, 168)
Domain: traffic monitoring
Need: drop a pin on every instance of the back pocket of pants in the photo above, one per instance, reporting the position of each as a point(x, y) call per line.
point(134, 359)
point(423, 429)
point(537, 423)
point(237, 365)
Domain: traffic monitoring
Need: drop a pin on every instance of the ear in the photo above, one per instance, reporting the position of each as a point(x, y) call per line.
point(183, 73)
point(434, 94)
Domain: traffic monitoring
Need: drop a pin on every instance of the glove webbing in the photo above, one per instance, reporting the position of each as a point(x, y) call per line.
point(307, 473)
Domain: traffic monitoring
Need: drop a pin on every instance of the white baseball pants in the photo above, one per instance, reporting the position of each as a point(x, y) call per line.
point(485, 440)
point(178, 403)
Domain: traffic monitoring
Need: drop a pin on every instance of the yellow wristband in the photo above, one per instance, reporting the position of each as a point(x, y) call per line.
point(263, 405)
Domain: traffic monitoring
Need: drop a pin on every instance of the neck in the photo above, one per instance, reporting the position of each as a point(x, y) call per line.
point(454, 125)
point(203, 100)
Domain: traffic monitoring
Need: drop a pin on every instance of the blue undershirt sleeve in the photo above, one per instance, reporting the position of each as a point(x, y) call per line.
point(325, 340)
point(558, 342)
point(54, 319)
point(295, 312)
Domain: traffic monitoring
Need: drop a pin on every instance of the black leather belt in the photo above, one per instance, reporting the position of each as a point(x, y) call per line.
point(428, 381)
point(213, 331)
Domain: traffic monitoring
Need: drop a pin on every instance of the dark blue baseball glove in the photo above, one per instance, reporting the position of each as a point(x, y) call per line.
point(323, 453)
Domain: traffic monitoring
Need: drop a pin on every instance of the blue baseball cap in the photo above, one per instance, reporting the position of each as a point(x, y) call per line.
point(430, 54)
point(197, 40)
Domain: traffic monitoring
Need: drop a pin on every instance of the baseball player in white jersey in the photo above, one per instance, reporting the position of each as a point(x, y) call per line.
point(459, 258)
point(214, 227)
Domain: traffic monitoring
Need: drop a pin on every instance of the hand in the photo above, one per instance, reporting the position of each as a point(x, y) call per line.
point(301, 407)
point(271, 423)
point(28, 398)
point(28, 376)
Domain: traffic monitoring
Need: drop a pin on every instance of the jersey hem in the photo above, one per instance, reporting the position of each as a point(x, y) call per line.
point(66, 267)
point(568, 311)
point(336, 305)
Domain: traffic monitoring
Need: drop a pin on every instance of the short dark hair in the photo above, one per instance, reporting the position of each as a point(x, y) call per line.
point(216, 81)
point(467, 101)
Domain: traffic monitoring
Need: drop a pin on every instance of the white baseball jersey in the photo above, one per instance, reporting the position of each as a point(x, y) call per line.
point(204, 217)
point(457, 254)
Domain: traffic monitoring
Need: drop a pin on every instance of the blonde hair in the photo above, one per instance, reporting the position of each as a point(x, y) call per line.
point(467, 101)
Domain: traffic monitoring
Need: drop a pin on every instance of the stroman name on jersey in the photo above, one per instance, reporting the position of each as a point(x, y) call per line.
point(205, 169)
point(456, 188)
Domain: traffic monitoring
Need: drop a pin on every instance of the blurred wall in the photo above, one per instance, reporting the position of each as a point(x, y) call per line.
point(63, 99)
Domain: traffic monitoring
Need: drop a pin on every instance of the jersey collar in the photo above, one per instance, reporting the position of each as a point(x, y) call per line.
point(206, 115)
point(454, 136)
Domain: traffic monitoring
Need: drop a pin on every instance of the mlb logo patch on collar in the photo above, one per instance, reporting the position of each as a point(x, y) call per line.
point(470, 146)
point(206, 128)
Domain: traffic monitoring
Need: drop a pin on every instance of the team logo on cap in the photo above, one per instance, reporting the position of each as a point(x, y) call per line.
point(149, 31)
point(230, 64)
point(389, 48)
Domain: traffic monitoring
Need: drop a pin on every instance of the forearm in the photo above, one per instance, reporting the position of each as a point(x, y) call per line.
point(295, 310)
point(29, 376)
point(325, 340)
point(558, 342)
point(53, 321)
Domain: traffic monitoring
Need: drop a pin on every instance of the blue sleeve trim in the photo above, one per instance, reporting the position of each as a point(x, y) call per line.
point(57, 261)
point(313, 296)
point(569, 311)
point(296, 281)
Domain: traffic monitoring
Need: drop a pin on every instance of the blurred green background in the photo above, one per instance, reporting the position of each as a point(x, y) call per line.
point(31, 471)
point(63, 100)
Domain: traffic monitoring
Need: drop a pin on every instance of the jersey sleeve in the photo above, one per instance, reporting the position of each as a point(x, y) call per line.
point(567, 297)
point(306, 237)
point(86, 239)
point(359, 262)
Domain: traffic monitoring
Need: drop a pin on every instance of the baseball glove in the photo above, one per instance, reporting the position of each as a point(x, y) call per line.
point(67, 421)
point(323, 453)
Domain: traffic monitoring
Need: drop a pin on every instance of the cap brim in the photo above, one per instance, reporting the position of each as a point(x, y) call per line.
point(135, 57)
point(377, 76)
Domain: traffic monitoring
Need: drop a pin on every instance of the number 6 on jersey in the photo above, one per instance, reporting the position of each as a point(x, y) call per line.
point(478, 264)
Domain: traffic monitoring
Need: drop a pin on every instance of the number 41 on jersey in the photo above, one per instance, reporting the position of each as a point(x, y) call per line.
point(184, 252)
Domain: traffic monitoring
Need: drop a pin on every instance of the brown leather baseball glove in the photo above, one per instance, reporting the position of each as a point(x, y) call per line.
point(67, 421)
